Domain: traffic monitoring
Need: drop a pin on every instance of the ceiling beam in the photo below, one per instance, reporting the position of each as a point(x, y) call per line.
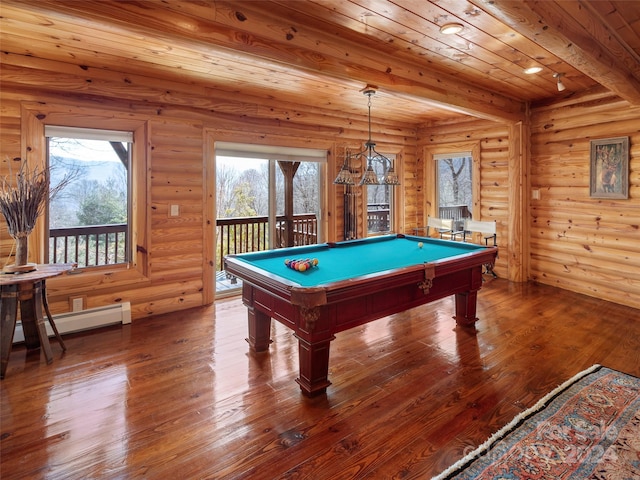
point(248, 32)
point(319, 50)
point(575, 32)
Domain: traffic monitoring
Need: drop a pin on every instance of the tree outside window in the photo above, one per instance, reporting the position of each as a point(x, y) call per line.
point(455, 187)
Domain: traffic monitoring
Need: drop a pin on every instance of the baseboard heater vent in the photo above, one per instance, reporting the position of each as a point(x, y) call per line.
point(84, 320)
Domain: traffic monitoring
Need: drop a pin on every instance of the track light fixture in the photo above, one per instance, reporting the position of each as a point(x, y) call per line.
point(369, 154)
point(559, 76)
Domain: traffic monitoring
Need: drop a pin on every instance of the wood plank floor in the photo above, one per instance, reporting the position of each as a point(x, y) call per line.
point(180, 396)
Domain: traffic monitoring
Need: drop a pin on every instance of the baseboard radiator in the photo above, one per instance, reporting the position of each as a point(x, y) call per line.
point(84, 320)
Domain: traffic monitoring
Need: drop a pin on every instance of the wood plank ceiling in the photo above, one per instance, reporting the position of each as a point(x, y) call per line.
point(321, 53)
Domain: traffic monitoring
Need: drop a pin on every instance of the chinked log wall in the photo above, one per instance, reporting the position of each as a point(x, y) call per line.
point(588, 245)
point(182, 123)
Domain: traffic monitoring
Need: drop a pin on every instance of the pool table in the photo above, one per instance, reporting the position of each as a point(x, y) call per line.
point(355, 282)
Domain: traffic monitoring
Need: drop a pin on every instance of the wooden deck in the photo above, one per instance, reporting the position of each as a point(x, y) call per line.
point(226, 287)
point(181, 396)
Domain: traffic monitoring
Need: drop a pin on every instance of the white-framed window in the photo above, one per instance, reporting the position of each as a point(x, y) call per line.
point(89, 220)
point(454, 177)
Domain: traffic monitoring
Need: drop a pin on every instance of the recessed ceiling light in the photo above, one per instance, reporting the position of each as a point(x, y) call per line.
point(451, 28)
point(532, 70)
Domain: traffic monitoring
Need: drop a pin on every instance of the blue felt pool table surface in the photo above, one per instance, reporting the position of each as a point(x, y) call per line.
point(356, 258)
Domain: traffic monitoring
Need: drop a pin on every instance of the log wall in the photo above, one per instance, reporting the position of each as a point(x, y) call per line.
point(587, 245)
point(489, 144)
point(181, 123)
point(575, 242)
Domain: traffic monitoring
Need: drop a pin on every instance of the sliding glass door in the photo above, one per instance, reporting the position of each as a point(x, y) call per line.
point(266, 197)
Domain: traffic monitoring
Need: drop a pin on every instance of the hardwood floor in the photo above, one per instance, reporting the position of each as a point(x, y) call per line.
point(180, 396)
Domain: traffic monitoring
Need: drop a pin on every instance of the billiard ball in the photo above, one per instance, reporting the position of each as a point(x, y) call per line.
point(420, 245)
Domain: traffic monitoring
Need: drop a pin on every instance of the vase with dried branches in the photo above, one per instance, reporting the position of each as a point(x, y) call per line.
point(22, 201)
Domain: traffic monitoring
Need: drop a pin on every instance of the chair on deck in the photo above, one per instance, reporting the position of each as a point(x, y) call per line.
point(488, 232)
point(442, 226)
point(487, 229)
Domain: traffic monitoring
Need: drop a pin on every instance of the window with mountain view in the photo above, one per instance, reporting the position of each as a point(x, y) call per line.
point(88, 220)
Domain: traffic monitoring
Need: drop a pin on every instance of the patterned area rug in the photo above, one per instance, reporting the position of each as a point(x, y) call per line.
point(589, 427)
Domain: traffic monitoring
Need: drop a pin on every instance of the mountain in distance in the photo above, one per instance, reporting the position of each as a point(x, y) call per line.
point(98, 170)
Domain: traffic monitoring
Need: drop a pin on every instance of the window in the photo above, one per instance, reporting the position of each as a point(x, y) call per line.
point(89, 220)
point(455, 187)
point(380, 202)
point(255, 208)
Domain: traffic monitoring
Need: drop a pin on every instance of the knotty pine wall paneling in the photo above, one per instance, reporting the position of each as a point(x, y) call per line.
point(491, 141)
point(587, 245)
point(175, 246)
point(10, 127)
point(178, 251)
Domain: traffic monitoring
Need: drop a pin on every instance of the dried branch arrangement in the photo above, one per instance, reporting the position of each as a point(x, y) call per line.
point(22, 201)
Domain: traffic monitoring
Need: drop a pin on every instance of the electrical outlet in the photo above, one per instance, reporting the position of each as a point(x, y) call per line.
point(175, 210)
point(77, 304)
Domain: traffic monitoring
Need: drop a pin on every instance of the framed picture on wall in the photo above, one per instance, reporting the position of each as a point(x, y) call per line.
point(609, 174)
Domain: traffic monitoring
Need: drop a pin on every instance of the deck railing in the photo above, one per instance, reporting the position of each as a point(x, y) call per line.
point(304, 230)
point(107, 244)
point(251, 234)
point(88, 246)
point(378, 220)
point(457, 213)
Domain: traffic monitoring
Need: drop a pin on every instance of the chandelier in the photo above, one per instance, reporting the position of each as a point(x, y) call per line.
point(389, 177)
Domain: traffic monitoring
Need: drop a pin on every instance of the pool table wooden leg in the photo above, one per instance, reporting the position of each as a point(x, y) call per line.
point(466, 308)
point(314, 365)
point(259, 330)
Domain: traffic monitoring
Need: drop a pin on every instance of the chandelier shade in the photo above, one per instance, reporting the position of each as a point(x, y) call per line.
point(369, 156)
point(345, 177)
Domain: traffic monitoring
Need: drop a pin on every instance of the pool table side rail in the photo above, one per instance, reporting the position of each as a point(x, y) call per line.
point(332, 292)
